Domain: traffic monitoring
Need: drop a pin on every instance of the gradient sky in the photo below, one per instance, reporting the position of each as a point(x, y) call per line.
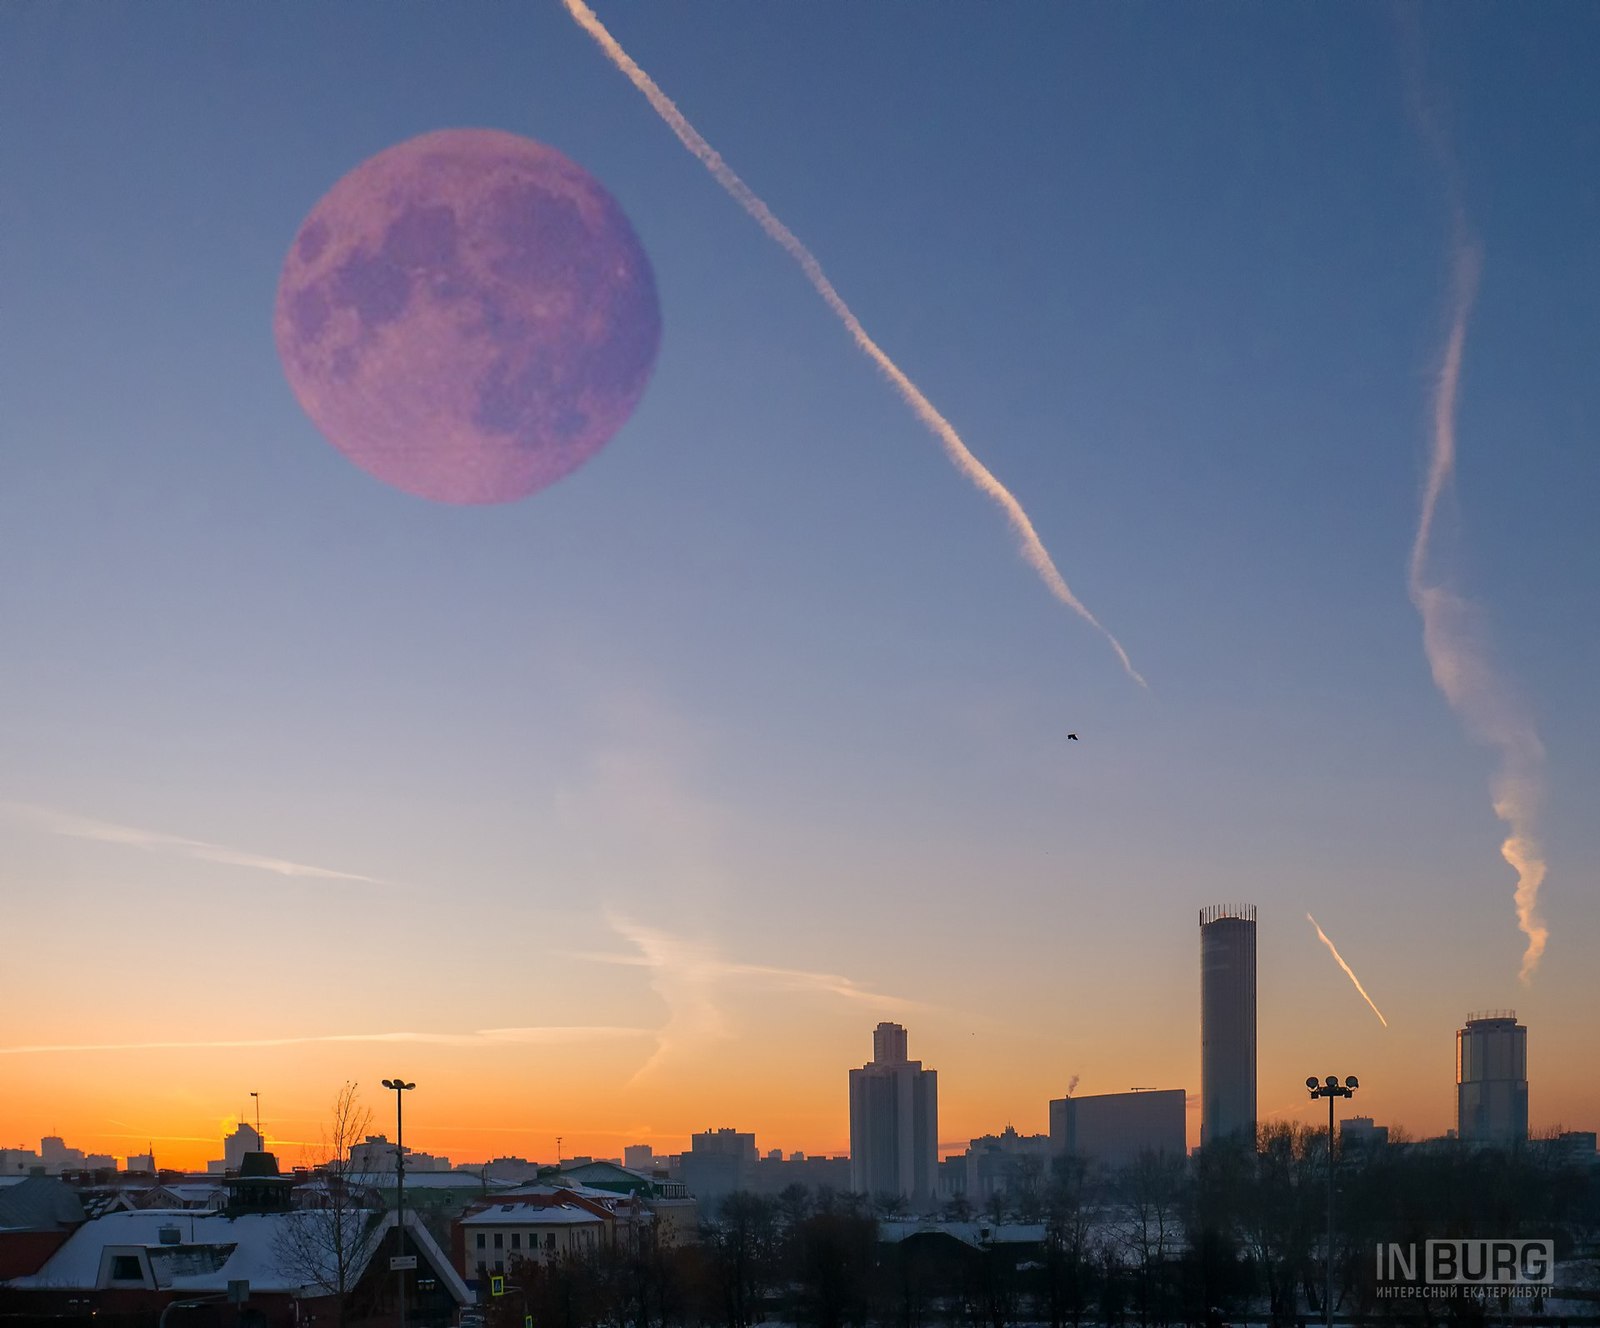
point(751, 732)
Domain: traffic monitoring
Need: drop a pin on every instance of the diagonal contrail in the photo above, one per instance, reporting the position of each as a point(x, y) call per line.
point(1348, 971)
point(1032, 547)
point(1453, 637)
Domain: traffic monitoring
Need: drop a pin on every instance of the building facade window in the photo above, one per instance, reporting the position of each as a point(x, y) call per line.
point(482, 1240)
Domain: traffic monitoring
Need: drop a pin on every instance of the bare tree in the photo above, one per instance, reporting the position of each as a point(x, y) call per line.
point(1068, 1251)
point(329, 1242)
point(997, 1207)
point(1280, 1213)
point(742, 1251)
point(1151, 1228)
point(957, 1208)
point(891, 1205)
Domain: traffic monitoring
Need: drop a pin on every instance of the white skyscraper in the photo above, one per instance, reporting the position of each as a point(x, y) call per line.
point(234, 1146)
point(894, 1122)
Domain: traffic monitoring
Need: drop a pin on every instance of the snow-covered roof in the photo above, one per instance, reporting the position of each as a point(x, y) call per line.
point(213, 1249)
point(532, 1215)
point(191, 1193)
point(603, 1169)
point(427, 1180)
point(582, 1191)
point(39, 1203)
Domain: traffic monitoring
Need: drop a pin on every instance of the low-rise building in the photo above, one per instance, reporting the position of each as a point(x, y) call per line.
point(266, 1268)
point(772, 1175)
point(1006, 1163)
point(20, 1162)
point(1362, 1132)
point(37, 1215)
point(1114, 1129)
point(539, 1228)
point(614, 1179)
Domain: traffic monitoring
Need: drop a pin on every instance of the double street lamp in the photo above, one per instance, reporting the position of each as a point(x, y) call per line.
point(400, 1087)
point(1330, 1088)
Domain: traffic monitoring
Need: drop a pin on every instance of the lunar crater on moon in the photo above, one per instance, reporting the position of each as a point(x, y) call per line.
point(467, 316)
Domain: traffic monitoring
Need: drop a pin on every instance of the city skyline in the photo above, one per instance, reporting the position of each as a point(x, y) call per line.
point(617, 813)
point(1479, 1059)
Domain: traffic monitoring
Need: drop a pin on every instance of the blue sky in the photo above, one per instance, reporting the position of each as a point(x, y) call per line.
point(766, 674)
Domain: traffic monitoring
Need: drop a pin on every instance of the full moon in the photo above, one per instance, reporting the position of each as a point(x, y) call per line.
point(467, 316)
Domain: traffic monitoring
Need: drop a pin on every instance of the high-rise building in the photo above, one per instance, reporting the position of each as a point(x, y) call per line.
point(718, 1163)
point(1492, 1079)
point(894, 1122)
point(1115, 1129)
point(1227, 1023)
point(234, 1146)
point(57, 1157)
point(888, 1043)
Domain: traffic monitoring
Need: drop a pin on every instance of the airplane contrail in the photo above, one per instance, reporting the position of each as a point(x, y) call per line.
point(108, 832)
point(1033, 550)
point(1348, 971)
point(552, 1035)
point(1454, 640)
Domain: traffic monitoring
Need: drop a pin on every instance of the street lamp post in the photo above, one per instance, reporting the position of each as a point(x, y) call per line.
point(260, 1142)
point(400, 1087)
point(1330, 1088)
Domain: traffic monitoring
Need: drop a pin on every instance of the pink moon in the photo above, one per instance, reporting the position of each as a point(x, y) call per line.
point(468, 316)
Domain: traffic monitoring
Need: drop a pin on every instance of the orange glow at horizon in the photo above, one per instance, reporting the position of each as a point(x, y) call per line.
point(475, 1103)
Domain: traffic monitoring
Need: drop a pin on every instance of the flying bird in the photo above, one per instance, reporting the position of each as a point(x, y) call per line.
point(1072, 737)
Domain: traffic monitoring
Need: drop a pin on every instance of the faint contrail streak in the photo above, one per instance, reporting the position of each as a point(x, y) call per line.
point(1455, 642)
point(689, 975)
point(1033, 550)
point(107, 832)
point(553, 1035)
point(1348, 971)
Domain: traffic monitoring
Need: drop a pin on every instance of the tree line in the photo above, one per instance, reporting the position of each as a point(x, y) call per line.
point(1232, 1234)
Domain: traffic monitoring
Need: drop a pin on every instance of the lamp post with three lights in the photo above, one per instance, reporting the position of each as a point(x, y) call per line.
point(1331, 1088)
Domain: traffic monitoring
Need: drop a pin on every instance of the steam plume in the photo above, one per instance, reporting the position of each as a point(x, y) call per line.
point(1453, 636)
point(1455, 643)
point(1032, 548)
point(1348, 971)
point(1072, 1084)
